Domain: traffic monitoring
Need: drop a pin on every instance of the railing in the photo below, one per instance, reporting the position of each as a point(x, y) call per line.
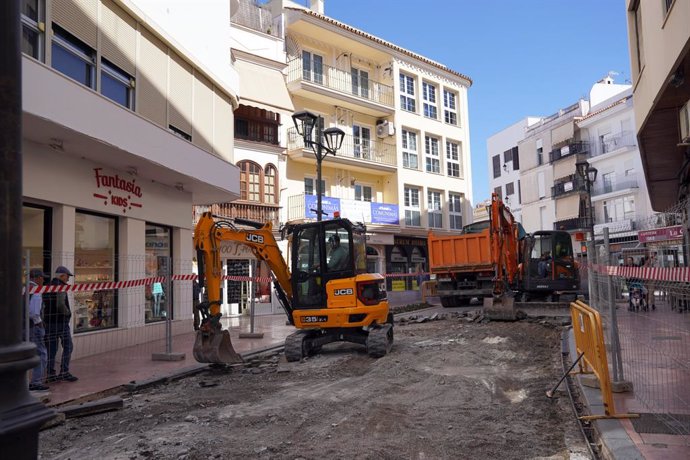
point(602, 188)
point(369, 150)
point(571, 149)
point(252, 16)
point(341, 81)
point(576, 223)
point(257, 212)
point(567, 186)
point(622, 140)
point(296, 207)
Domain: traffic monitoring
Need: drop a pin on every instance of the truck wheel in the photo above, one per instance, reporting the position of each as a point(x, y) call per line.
point(448, 302)
point(380, 341)
point(295, 345)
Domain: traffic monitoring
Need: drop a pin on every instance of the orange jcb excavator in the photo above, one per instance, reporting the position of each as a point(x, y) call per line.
point(328, 295)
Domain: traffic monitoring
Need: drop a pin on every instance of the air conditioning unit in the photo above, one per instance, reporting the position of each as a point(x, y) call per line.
point(384, 128)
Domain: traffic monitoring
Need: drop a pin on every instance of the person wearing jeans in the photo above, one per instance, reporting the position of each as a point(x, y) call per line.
point(37, 330)
point(57, 319)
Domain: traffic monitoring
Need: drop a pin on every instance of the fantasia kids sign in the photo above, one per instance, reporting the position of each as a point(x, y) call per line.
point(117, 191)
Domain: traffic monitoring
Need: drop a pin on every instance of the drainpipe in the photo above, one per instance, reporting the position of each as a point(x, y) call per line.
point(21, 415)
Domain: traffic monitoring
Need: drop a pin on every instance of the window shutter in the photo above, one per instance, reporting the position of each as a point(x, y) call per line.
point(180, 93)
point(118, 37)
point(78, 17)
point(223, 120)
point(152, 81)
point(203, 113)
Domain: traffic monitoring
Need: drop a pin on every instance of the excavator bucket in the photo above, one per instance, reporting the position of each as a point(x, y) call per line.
point(215, 346)
point(500, 308)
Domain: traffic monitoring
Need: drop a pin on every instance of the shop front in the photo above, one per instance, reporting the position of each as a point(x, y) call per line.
point(406, 258)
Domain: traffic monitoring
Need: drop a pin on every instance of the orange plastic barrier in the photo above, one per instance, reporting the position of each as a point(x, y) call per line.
point(428, 289)
point(589, 339)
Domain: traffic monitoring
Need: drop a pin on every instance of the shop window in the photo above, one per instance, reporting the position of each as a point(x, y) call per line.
point(158, 265)
point(95, 260)
point(372, 260)
point(36, 236)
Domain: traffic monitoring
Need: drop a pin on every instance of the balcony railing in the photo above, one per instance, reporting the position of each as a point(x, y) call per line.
point(252, 16)
point(257, 212)
point(567, 187)
point(622, 140)
point(602, 188)
point(341, 81)
point(576, 223)
point(302, 206)
point(571, 149)
point(359, 149)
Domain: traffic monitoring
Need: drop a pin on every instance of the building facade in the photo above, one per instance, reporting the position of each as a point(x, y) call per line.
point(124, 132)
point(659, 39)
point(504, 164)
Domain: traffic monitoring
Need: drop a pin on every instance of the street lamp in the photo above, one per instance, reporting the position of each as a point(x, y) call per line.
point(306, 123)
point(588, 174)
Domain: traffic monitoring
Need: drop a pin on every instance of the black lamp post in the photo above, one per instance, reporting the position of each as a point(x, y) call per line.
point(305, 123)
point(588, 174)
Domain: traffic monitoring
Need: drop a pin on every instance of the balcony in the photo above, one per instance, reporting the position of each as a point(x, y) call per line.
point(631, 182)
point(340, 88)
point(252, 211)
point(571, 149)
point(567, 186)
point(576, 223)
point(256, 18)
point(302, 207)
point(369, 156)
point(623, 140)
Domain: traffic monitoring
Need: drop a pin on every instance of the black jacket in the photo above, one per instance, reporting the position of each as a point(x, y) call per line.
point(57, 309)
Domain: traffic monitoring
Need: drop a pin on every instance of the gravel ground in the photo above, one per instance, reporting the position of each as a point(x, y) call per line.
point(450, 388)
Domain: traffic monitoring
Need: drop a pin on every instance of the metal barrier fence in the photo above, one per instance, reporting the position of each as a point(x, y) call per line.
point(640, 283)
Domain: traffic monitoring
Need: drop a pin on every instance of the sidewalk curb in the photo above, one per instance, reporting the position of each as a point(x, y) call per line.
point(614, 440)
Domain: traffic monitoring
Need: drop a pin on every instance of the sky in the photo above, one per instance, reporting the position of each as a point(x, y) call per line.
point(525, 57)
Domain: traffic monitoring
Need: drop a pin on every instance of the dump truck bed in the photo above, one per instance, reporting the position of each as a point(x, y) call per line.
point(460, 253)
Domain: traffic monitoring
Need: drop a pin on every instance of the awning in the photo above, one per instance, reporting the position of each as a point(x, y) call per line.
point(568, 207)
point(263, 87)
point(563, 133)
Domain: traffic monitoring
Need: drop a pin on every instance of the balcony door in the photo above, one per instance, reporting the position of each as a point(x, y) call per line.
point(362, 142)
point(360, 82)
point(312, 67)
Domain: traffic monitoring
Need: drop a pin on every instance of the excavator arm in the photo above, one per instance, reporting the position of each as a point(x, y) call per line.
point(504, 244)
point(213, 344)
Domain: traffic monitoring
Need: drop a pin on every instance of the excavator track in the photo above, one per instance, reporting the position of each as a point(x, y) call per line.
point(380, 341)
point(295, 346)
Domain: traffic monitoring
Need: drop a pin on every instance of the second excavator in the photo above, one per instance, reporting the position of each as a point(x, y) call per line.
point(326, 292)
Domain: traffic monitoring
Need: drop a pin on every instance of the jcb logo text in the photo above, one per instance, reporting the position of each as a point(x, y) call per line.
point(347, 291)
point(252, 238)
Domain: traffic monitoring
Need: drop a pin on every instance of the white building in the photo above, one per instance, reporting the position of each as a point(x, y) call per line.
point(504, 164)
point(123, 132)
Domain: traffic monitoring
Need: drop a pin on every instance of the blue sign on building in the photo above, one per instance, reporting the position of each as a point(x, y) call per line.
point(328, 205)
point(384, 213)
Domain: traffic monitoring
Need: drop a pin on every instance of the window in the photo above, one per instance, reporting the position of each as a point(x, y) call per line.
point(73, 57)
point(516, 158)
point(429, 96)
point(362, 192)
point(453, 164)
point(619, 209)
point(508, 156)
point(609, 182)
point(360, 82)
point(95, 260)
point(412, 210)
point(519, 192)
point(117, 85)
point(510, 188)
point(270, 177)
point(639, 42)
point(158, 263)
point(250, 181)
point(312, 67)
point(541, 185)
point(37, 236)
point(499, 191)
point(450, 111)
point(409, 145)
point(433, 159)
point(540, 153)
point(407, 98)
point(258, 125)
point(179, 133)
point(496, 159)
point(309, 186)
point(435, 209)
point(362, 142)
point(455, 210)
point(32, 37)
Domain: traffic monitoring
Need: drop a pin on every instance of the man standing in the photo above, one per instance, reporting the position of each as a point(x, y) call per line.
point(36, 330)
point(57, 318)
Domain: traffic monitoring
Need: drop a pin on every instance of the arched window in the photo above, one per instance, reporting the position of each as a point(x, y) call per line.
point(270, 184)
point(250, 181)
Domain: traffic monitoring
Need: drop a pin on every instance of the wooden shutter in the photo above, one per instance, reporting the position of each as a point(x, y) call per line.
point(78, 17)
point(203, 113)
point(152, 79)
point(180, 93)
point(118, 37)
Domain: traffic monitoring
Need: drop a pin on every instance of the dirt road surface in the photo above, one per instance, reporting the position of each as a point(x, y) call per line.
point(450, 389)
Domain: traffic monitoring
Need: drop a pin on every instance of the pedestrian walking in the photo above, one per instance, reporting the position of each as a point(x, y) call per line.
point(57, 320)
point(37, 330)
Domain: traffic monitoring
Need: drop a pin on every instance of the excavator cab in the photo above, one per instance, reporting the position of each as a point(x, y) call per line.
point(549, 266)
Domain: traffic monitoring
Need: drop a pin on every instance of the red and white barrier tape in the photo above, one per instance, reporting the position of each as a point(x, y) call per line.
point(104, 285)
point(677, 274)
